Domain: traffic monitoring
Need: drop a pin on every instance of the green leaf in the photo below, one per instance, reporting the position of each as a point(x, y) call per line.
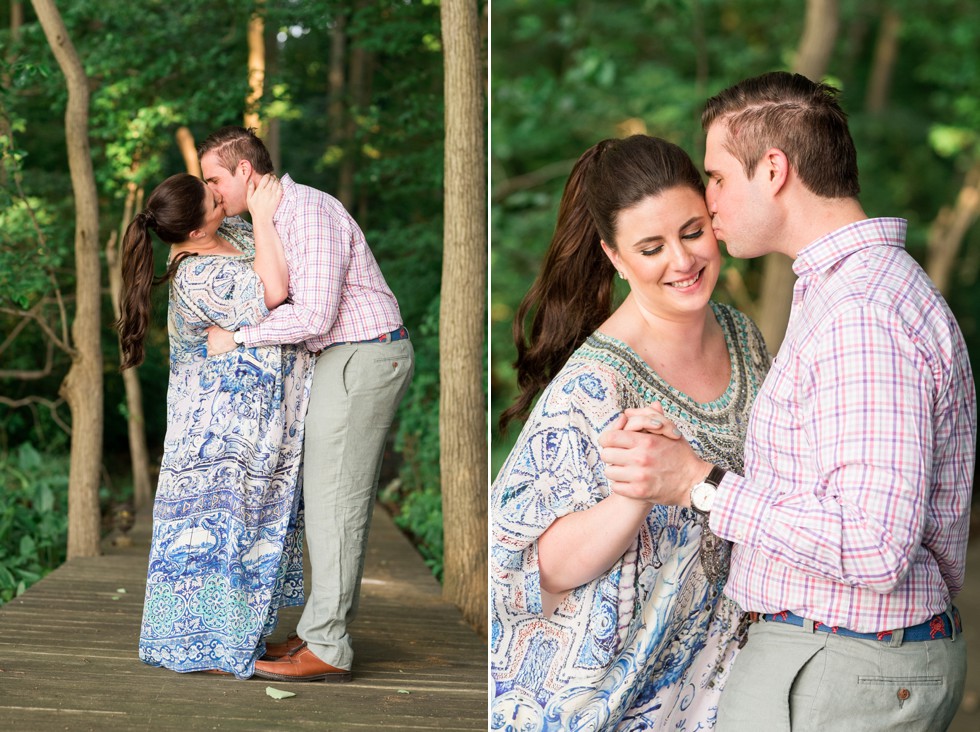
point(45, 498)
point(278, 693)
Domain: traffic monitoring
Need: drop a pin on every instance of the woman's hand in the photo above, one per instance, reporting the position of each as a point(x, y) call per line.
point(270, 259)
point(263, 199)
point(652, 420)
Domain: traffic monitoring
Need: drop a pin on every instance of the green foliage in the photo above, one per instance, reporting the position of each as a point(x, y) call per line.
point(418, 488)
point(155, 66)
point(33, 517)
point(421, 516)
point(566, 74)
point(398, 148)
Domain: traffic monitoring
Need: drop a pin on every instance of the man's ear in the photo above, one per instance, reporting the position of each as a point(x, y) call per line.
point(776, 168)
point(244, 167)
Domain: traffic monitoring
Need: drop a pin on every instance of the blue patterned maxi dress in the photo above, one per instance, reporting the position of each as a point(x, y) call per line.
point(226, 552)
point(647, 645)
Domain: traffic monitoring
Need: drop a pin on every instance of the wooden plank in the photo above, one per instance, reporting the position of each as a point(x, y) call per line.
point(68, 657)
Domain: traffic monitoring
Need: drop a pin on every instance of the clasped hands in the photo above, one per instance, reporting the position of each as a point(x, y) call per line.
point(648, 459)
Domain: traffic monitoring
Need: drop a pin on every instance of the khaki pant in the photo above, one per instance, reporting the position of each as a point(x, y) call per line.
point(356, 390)
point(787, 678)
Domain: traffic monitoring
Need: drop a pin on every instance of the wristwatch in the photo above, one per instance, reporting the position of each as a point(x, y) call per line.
point(703, 493)
point(239, 337)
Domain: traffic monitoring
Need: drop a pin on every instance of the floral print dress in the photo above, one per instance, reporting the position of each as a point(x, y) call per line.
point(648, 644)
point(226, 551)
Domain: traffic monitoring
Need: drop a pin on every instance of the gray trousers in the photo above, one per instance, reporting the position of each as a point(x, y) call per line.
point(787, 678)
point(356, 390)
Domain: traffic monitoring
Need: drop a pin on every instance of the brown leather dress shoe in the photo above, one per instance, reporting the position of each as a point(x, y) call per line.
point(275, 651)
point(300, 664)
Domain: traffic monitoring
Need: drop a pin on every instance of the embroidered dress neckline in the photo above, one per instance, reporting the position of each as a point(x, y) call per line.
point(230, 237)
point(622, 356)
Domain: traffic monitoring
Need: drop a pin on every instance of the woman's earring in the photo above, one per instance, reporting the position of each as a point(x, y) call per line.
point(621, 275)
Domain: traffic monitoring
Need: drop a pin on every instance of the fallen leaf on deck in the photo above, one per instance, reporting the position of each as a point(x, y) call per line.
point(278, 693)
point(404, 691)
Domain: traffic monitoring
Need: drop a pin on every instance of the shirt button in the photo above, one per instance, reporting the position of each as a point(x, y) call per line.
point(739, 535)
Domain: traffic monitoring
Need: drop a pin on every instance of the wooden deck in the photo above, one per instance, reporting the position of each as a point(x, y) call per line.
point(68, 657)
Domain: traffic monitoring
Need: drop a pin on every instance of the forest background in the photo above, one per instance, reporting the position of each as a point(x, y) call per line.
point(349, 97)
point(568, 73)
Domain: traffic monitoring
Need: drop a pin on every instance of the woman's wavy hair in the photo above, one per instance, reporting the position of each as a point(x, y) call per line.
point(573, 293)
point(174, 209)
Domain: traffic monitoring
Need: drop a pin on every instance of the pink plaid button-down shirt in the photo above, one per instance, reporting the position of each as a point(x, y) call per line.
point(854, 508)
point(336, 290)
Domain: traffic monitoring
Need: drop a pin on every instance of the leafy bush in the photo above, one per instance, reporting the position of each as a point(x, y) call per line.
point(421, 514)
point(416, 498)
point(33, 517)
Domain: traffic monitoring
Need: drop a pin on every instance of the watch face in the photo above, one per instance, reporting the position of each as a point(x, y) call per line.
point(702, 496)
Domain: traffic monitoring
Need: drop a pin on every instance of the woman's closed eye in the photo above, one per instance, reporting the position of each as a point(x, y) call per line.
point(693, 235)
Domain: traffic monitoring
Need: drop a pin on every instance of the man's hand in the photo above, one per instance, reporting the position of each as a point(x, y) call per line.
point(648, 466)
point(220, 341)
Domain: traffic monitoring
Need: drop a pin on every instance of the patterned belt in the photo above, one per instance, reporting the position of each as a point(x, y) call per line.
point(398, 334)
point(938, 626)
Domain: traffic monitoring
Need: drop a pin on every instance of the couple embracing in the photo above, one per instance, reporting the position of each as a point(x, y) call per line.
point(288, 358)
point(689, 534)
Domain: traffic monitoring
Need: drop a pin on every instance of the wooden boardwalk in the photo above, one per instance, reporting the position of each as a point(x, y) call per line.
point(68, 657)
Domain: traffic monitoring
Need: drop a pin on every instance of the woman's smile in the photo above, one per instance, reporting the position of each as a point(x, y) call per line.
point(684, 284)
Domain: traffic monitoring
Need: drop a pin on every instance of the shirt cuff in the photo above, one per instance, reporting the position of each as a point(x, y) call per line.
point(738, 510)
point(248, 334)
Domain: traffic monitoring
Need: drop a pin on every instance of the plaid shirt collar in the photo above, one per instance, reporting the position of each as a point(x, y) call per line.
point(822, 255)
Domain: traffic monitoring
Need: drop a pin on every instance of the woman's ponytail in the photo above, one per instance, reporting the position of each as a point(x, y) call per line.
point(137, 278)
point(570, 298)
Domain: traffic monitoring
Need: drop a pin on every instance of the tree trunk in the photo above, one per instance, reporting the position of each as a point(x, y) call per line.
point(185, 142)
point(82, 387)
point(950, 226)
point(357, 82)
point(776, 297)
point(16, 21)
point(336, 78)
point(272, 137)
point(462, 321)
point(139, 455)
point(886, 52)
point(256, 68)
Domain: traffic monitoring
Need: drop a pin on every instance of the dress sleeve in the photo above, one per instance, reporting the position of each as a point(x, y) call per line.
point(226, 292)
point(553, 469)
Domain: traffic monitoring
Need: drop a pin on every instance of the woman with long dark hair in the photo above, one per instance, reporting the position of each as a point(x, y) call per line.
point(226, 552)
point(607, 612)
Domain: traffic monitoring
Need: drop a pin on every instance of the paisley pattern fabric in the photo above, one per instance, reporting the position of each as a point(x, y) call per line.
point(648, 644)
point(226, 552)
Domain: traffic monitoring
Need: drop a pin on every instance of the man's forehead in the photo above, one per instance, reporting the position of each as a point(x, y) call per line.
point(715, 152)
